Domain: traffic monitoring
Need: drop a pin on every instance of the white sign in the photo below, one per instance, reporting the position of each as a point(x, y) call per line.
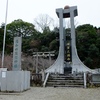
point(3, 74)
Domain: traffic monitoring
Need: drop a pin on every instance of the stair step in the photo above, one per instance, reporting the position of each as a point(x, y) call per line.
point(66, 76)
point(68, 86)
point(65, 80)
point(63, 83)
point(61, 80)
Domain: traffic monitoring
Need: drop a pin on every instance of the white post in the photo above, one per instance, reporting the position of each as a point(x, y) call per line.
point(37, 62)
point(50, 58)
point(43, 61)
point(84, 79)
point(4, 34)
point(45, 81)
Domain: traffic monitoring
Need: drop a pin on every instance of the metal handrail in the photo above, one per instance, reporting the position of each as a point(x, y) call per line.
point(85, 80)
point(45, 81)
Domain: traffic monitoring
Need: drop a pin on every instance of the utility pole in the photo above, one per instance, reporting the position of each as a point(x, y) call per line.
point(4, 34)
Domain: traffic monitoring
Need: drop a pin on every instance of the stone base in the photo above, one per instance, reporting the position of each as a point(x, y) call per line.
point(3, 69)
point(14, 81)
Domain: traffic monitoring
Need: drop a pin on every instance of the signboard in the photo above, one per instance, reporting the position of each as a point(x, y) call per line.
point(68, 57)
point(68, 53)
point(17, 54)
point(4, 74)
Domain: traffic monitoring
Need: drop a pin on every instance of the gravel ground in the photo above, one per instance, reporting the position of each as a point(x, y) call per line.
point(50, 93)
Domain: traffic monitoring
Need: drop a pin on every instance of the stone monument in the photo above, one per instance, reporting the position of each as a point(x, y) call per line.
point(69, 57)
point(15, 80)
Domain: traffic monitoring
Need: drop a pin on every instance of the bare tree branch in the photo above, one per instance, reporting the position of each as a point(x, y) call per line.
point(43, 21)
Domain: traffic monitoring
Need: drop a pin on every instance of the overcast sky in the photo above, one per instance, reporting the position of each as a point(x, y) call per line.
point(27, 10)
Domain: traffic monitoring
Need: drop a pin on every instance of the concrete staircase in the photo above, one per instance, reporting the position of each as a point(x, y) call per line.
point(61, 80)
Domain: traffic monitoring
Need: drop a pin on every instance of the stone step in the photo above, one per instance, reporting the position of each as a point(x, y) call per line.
point(60, 78)
point(78, 83)
point(65, 80)
point(67, 76)
point(68, 86)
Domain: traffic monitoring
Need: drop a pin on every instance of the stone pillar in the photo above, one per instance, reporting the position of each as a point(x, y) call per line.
point(17, 54)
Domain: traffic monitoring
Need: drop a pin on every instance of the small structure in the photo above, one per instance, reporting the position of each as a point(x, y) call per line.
point(42, 54)
point(15, 80)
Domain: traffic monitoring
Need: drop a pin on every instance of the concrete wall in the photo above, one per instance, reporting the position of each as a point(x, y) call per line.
point(14, 80)
point(95, 78)
point(98, 70)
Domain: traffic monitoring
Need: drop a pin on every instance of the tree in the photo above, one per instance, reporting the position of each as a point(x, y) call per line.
point(24, 29)
point(88, 45)
point(86, 35)
point(43, 21)
point(1, 38)
point(19, 27)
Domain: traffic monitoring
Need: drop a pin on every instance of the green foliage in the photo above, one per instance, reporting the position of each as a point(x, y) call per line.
point(21, 28)
point(46, 38)
point(24, 29)
point(88, 45)
point(1, 38)
point(87, 40)
point(53, 44)
point(93, 51)
point(86, 28)
point(88, 61)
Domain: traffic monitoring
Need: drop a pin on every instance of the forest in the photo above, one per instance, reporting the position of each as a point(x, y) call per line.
point(33, 40)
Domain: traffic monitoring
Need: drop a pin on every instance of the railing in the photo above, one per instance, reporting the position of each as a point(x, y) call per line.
point(45, 81)
point(85, 80)
point(36, 79)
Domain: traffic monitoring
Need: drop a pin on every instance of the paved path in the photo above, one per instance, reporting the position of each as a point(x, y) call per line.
point(50, 93)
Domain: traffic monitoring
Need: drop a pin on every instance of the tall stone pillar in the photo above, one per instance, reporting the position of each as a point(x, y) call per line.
point(75, 63)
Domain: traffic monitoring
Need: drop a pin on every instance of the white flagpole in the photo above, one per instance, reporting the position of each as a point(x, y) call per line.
point(4, 34)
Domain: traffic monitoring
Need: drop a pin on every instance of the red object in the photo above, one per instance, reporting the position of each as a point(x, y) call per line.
point(66, 7)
